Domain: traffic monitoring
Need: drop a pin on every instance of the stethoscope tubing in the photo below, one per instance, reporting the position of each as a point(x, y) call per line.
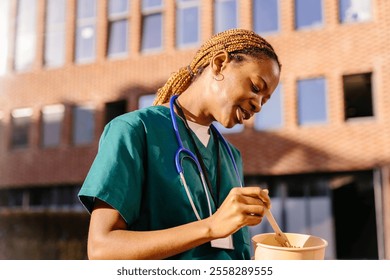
point(192, 156)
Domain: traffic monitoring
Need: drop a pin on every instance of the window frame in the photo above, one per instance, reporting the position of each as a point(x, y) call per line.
point(258, 116)
point(149, 11)
point(186, 5)
point(340, 14)
point(54, 28)
point(82, 23)
point(19, 114)
point(215, 17)
point(309, 27)
point(20, 37)
point(76, 142)
point(278, 21)
point(372, 95)
point(326, 104)
point(55, 109)
point(114, 18)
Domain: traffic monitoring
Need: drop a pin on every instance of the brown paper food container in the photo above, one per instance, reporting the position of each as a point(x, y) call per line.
point(305, 247)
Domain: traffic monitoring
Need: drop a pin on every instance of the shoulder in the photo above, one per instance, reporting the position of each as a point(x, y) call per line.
point(144, 116)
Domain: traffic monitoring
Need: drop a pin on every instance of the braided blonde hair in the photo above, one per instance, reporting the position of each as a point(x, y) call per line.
point(233, 41)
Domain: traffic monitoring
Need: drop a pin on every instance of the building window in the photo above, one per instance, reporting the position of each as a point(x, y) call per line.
point(118, 27)
point(86, 31)
point(146, 100)
point(115, 109)
point(265, 16)
point(225, 15)
point(41, 198)
point(83, 125)
point(187, 23)
point(52, 122)
point(355, 10)
point(21, 121)
point(312, 101)
point(4, 34)
point(54, 55)
point(271, 114)
point(358, 96)
point(308, 13)
point(152, 24)
point(26, 37)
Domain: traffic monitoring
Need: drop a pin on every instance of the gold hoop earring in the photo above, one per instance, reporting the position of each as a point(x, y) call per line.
point(219, 77)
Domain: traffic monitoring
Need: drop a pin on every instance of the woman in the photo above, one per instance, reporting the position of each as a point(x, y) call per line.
point(140, 207)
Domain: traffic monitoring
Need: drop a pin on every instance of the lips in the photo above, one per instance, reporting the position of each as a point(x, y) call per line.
point(242, 114)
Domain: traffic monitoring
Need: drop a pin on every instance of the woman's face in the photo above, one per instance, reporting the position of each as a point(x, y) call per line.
point(246, 86)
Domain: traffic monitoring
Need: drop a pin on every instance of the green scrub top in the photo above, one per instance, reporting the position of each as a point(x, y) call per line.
point(134, 171)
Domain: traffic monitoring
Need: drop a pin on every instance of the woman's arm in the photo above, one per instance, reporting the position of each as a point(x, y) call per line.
point(109, 238)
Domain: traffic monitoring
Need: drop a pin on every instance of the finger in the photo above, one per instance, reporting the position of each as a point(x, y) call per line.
point(260, 193)
point(254, 210)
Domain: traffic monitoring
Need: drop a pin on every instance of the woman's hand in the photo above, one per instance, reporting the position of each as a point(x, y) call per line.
point(242, 207)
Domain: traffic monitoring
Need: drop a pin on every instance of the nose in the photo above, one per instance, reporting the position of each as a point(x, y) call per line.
point(256, 104)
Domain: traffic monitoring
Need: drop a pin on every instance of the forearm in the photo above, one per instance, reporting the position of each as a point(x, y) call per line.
point(159, 244)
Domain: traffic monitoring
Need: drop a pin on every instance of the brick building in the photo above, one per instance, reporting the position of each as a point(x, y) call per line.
point(321, 144)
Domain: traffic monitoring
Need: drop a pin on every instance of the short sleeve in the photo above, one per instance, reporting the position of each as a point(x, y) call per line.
point(116, 175)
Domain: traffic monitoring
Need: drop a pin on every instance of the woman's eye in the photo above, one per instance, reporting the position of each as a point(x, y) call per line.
point(255, 89)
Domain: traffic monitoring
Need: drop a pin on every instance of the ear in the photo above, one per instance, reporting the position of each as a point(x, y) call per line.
point(219, 61)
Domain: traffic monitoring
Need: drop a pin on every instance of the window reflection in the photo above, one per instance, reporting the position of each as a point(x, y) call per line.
point(265, 16)
point(355, 10)
point(225, 15)
point(152, 25)
point(187, 23)
point(271, 114)
point(308, 13)
point(86, 30)
point(312, 103)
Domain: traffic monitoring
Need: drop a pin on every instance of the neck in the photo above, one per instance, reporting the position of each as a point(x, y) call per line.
point(194, 108)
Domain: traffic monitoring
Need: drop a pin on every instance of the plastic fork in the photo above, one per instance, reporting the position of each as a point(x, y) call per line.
point(280, 237)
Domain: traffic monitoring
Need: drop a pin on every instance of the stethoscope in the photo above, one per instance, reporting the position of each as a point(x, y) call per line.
point(187, 153)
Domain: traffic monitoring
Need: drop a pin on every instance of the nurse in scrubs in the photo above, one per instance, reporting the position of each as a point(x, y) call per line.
point(141, 207)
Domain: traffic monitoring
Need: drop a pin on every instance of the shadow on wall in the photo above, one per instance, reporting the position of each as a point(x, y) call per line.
point(43, 235)
point(272, 154)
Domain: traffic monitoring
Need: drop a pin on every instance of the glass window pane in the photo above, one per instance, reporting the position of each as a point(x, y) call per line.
point(21, 120)
point(85, 42)
point(225, 15)
point(4, 34)
point(25, 44)
point(152, 31)
point(312, 106)
point(271, 114)
point(55, 48)
point(83, 125)
point(86, 9)
point(56, 10)
point(355, 10)
point(54, 52)
point(151, 4)
point(52, 119)
point(146, 101)
point(117, 41)
point(358, 100)
point(187, 25)
point(265, 15)
point(118, 6)
point(308, 13)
